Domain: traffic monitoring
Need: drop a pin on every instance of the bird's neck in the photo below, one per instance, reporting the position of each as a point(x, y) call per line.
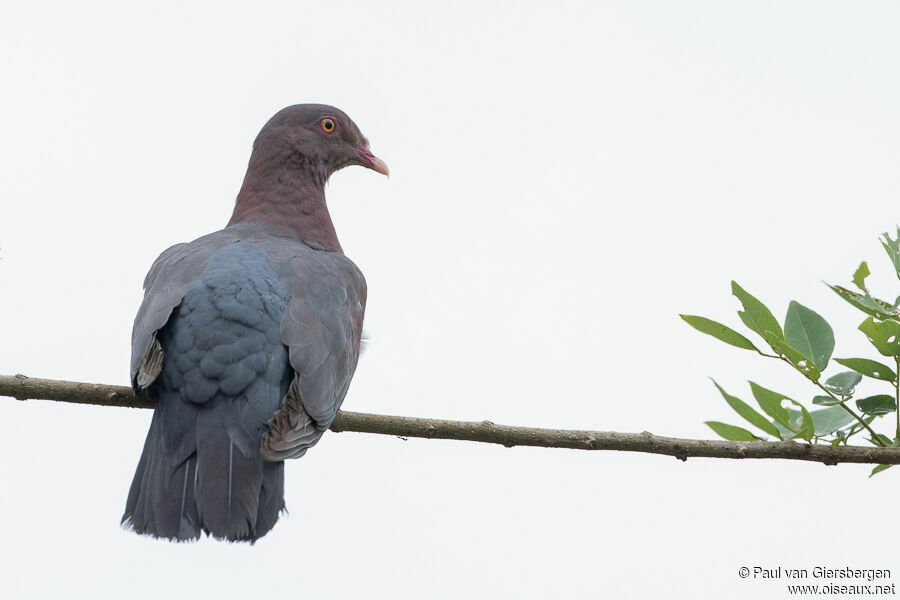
point(288, 200)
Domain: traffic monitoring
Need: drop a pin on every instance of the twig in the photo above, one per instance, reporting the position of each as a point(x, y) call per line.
point(28, 388)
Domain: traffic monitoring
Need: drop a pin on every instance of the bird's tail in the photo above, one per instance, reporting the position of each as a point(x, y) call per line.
point(201, 471)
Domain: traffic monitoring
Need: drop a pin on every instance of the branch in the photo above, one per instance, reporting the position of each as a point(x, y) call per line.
point(27, 388)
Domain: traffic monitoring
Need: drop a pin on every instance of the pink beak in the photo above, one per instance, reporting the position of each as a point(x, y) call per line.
point(371, 161)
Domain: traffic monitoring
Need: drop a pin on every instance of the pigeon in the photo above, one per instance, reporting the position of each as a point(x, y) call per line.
point(248, 338)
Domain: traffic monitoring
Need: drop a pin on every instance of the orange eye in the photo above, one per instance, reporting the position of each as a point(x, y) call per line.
point(327, 124)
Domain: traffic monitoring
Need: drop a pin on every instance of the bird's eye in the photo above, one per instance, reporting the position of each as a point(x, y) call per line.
point(327, 124)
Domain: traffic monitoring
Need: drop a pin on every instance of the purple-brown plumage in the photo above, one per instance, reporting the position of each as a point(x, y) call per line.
point(293, 156)
point(249, 337)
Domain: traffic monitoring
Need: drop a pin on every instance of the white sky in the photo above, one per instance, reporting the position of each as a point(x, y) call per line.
point(564, 182)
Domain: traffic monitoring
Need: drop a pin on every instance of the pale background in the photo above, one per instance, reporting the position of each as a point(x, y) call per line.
point(564, 182)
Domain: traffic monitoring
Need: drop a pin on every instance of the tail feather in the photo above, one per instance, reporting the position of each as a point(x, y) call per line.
point(222, 487)
point(228, 482)
point(137, 516)
point(271, 497)
point(188, 516)
point(161, 499)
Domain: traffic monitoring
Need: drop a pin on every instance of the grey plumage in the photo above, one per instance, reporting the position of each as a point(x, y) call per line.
point(248, 337)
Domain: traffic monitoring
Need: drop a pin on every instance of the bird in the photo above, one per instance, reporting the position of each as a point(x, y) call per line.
point(248, 338)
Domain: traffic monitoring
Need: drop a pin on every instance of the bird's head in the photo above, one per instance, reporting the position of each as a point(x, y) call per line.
point(314, 139)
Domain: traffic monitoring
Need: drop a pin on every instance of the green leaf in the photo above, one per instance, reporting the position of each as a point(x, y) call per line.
point(809, 333)
point(881, 404)
point(770, 403)
point(869, 368)
point(866, 303)
point(732, 432)
point(883, 440)
point(807, 426)
point(747, 412)
point(828, 420)
point(719, 331)
point(755, 314)
point(892, 247)
point(879, 469)
point(856, 427)
point(843, 383)
point(797, 360)
point(801, 424)
point(786, 433)
point(859, 276)
point(884, 335)
point(825, 401)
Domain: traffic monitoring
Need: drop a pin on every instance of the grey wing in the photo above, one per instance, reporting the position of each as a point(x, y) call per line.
point(164, 288)
point(322, 328)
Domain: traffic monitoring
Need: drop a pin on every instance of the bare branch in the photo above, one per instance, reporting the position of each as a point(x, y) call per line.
point(27, 388)
point(21, 387)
